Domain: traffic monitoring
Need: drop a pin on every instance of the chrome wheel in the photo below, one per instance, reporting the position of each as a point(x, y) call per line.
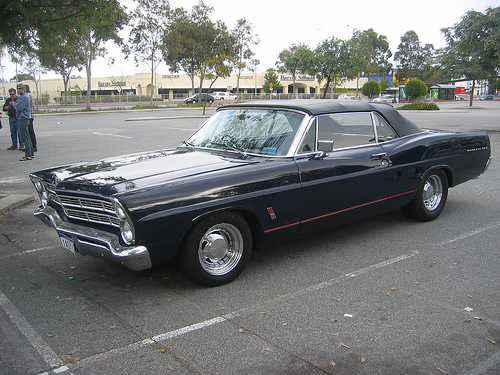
point(430, 198)
point(216, 249)
point(220, 249)
point(432, 192)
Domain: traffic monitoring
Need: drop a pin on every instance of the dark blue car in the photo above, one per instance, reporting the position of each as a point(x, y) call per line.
point(255, 174)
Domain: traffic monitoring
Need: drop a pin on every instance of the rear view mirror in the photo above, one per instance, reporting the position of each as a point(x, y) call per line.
point(325, 145)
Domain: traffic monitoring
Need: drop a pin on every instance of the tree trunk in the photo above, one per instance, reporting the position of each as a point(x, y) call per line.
point(472, 92)
point(89, 82)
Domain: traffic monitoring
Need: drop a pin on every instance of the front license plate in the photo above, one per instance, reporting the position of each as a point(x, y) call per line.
point(67, 243)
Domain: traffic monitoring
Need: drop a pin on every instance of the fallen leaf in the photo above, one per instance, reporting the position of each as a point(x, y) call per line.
point(468, 308)
point(170, 368)
point(342, 345)
point(363, 360)
point(333, 334)
point(113, 326)
point(394, 289)
point(262, 313)
point(162, 351)
point(338, 300)
point(332, 363)
point(492, 341)
point(442, 371)
point(478, 318)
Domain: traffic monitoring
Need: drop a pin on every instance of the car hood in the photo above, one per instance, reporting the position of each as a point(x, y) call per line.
point(127, 173)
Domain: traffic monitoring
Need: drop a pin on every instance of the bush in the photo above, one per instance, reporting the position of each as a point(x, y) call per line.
point(420, 107)
point(416, 89)
point(371, 89)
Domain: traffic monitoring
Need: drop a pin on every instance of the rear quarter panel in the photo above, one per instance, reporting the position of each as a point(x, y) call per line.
point(462, 155)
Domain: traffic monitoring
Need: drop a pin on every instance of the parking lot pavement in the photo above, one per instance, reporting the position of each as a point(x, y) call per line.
point(384, 296)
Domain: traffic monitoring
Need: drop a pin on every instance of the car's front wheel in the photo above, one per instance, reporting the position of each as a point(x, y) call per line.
point(431, 197)
point(216, 249)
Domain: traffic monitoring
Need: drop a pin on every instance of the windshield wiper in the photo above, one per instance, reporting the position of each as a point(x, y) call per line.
point(190, 145)
point(232, 148)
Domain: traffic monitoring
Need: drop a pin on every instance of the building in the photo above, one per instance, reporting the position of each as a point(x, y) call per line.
point(177, 86)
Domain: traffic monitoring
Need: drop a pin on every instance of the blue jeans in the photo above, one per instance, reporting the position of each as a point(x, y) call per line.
point(14, 132)
point(24, 124)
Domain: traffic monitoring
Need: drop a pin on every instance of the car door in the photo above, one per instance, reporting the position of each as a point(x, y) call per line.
point(351, 180)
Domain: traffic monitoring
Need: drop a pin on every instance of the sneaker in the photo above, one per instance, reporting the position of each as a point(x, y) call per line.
point(12, 148)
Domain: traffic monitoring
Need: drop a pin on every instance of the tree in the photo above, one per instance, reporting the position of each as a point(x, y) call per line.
point(32, 65)
point(271, 81)
point(22, 22)
point(473, 47)
point(416, 89)
point(412, 57)
point(92, 30)
point(193, 43)
point(373, 50)
point(56, 53)
point(370, 53)
point(371, 89)
point(295, 60)
point(149, 22)
point(333, 62)
point(384, 83)
point(244, 56)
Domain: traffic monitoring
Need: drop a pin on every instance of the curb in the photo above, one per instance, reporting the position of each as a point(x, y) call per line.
point(11, 201)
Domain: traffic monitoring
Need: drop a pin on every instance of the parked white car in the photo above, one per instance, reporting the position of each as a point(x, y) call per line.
point(347, 97)
point(224, 95)
point(386, 98)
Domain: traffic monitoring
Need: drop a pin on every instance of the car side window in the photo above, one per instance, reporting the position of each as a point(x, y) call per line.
point(309, 142)
point(346, 129)
point(384, 130)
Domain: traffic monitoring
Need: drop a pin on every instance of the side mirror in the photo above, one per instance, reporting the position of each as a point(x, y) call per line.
point(325, 145)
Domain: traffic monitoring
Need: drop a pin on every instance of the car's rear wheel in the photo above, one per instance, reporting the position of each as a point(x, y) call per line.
point(216, 249)
point(431, 197)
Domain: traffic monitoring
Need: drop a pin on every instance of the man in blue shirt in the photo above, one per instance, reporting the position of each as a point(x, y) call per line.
point(23, 114)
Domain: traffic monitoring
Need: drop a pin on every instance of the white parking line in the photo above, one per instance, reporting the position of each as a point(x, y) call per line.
point(45, 351)
point(28, 252)
point(470, 234)
point(112, 135)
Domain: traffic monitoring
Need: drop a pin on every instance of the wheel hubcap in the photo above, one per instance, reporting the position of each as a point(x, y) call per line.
point(220, 249)
point(433, 192)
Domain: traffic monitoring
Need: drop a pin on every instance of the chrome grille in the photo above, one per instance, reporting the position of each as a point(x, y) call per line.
point(92, 210)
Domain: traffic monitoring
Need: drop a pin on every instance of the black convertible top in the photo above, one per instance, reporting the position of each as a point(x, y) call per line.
point(316, 107)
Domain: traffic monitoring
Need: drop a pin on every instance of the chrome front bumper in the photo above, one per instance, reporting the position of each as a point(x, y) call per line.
point(97, 243)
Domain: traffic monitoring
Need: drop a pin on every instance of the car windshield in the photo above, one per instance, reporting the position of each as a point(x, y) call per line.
point(253, 131)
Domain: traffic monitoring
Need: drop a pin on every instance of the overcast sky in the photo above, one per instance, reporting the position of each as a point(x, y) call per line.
point(280, 24)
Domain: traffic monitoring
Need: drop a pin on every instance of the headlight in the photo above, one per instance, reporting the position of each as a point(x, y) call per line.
point(126, 227)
